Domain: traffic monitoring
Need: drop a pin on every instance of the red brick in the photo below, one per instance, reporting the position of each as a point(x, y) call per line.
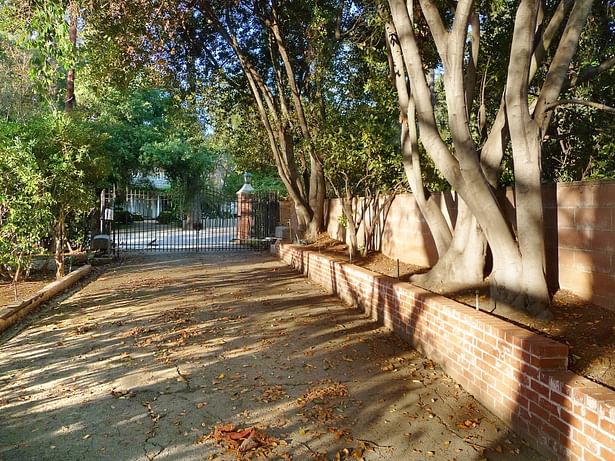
point(544, 347)
point(592, 261)
point(589, 456)
point(561, 400)
point(549, 431)
point(573, 447)
point(607, 426)
point(588, 445)
point(598, 218)
point(539, 388)
point(522, 402)
point(476, 356)
point(572, 420)
point(607, 408)
point(559, 424)
point(549, 406)
point(606, 454)
point(539, 411)
point(599, 436)
point(550, 363)
point(596, 397)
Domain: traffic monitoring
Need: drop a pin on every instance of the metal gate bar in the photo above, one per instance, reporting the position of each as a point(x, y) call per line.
point(207, 220)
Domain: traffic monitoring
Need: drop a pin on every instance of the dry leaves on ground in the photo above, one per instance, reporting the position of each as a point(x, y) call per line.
point(244, 443)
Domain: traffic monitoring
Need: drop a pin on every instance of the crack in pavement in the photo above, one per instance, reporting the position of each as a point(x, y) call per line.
point(184, 378)
point(476, 446)
point(155, 417)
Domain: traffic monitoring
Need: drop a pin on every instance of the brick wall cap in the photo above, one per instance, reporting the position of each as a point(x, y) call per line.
point(569, 382)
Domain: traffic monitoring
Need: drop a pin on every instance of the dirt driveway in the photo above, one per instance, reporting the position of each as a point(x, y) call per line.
point(146, 360)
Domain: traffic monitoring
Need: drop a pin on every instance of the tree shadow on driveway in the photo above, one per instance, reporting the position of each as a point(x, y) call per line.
point(145, 361)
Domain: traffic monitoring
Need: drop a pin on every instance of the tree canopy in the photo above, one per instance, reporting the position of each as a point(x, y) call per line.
point(323, 98)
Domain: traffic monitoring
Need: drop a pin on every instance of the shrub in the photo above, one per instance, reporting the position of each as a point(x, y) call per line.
point(122, 216)
point(167, 217)
point(24, 207)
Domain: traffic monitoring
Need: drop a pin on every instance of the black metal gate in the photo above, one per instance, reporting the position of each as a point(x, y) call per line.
point(203, 220)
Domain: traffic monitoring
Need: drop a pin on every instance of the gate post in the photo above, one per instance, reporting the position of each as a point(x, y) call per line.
point(244, 208)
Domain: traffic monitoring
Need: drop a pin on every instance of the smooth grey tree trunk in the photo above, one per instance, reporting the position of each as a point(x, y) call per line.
point(462, 266)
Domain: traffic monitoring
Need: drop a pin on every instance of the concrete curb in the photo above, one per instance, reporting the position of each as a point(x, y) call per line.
point(12, 313)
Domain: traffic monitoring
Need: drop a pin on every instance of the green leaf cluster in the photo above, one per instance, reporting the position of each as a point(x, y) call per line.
point(25, 201)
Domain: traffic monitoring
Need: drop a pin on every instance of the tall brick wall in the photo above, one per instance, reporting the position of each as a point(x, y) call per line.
point(520, 376)
point(579, 233)
point(404, 233)
point(582, 221)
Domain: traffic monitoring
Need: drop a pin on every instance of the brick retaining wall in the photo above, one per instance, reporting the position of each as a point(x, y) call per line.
point(520, 376)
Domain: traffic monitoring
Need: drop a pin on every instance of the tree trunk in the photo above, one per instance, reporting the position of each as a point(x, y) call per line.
point(524, 284)
point(73, 14)
point(59, 245)
point(409, 147)
point(463, 170)
point(462, 266)
point(351, 225)
point(375, 211)
point(193, 217)
point(16, 278)
point(316, 198)
point(280, 141)
point(304, 219)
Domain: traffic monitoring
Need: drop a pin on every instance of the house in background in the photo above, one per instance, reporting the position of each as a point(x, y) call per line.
point(148, 195)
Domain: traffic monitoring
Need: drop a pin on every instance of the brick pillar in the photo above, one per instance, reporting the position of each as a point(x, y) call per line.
point(244, 208)
point(244, 216)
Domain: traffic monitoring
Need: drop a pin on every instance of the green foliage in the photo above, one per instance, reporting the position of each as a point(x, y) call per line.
point(24, 206)
point(147, 129)
point(40, 30)
point(580, 144)
point(18, 99)
point(360, 142)
point(167, 217)
point(68, 153)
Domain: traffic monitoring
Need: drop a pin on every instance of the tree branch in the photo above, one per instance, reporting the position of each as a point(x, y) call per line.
point(436, 26)
point(556, 76)
point(472, 65)
point(544, 42)
point(589, 72)
point(564, 102)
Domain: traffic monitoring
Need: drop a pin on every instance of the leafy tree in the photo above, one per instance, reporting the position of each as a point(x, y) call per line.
point(282, 52)
point(68, 153)
point(472, 163)
point(24, 207)
point(579, 143)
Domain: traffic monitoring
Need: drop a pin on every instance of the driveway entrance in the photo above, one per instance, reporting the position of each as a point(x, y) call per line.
point(147, 360)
